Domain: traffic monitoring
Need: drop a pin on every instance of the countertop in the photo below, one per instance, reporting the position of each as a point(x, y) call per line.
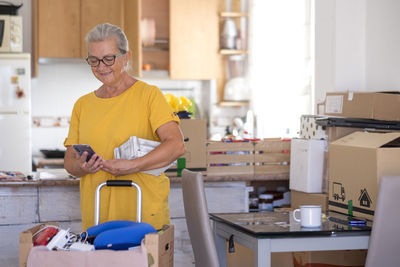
point(213, 178)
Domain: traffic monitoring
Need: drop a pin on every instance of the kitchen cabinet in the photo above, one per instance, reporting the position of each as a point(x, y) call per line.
point(62, 25)
point(234, 30)
point(94, 12)
point(186, 38)
point(58, 33)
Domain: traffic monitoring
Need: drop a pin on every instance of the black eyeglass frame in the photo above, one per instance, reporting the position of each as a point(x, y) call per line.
point(102, 60)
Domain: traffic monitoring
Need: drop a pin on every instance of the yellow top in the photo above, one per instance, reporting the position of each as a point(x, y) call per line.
point(106, 123)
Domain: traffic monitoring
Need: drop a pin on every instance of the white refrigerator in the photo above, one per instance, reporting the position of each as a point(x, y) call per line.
point(15, 113)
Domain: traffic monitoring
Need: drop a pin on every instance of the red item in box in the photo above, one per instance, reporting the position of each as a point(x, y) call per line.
point(43, 237)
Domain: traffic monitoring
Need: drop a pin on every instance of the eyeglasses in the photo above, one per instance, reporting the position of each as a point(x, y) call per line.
point(107, 60)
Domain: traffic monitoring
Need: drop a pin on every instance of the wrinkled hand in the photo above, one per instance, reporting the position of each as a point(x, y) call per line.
point(93, 165)
point(118, 167)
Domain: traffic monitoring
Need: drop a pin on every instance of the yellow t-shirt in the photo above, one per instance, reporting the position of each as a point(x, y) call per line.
point(106, 123)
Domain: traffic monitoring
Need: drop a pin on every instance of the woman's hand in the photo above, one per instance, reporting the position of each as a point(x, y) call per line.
point(118, 167)
point(94, 164)
point(77, 165)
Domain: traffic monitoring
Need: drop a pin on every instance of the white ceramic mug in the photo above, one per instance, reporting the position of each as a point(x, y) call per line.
point(310, 215)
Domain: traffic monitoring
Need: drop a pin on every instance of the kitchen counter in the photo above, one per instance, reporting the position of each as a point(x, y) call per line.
point(40, 162)
point(213, 178)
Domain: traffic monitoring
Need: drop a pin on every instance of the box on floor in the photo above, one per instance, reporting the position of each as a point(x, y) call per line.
point(356, 163)
point(159, 246)
point(368, 105)
point(301, 198)
point(342, 258)
point(244, 256)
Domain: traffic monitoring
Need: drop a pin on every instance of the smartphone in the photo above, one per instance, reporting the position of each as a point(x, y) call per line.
point(82, 148)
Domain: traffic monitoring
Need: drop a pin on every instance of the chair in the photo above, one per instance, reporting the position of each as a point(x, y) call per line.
point(197, 220)
point(384, 243)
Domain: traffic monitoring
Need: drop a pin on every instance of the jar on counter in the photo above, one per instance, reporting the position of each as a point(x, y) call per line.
point(253, 202)
point(265, 202)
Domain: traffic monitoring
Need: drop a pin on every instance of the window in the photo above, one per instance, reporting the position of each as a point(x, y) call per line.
point(280, 65)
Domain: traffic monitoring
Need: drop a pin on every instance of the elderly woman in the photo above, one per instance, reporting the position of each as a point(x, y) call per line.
point(105, 118)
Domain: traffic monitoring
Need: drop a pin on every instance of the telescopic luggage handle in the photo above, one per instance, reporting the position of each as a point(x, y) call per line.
point(118, 183)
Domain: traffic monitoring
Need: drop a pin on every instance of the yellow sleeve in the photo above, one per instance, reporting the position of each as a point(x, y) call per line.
point(73, 134)
point(159, 109)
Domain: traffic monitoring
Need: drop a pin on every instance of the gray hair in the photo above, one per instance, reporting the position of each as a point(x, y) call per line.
point(105, 31)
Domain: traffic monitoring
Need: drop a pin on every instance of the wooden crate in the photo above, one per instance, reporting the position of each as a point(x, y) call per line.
point(272, 156)
point(224, 158)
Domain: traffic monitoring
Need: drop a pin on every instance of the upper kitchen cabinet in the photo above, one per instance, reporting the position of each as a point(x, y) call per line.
point(63, 24)
point(94, 12)
point(178, 36)
point(58, 28)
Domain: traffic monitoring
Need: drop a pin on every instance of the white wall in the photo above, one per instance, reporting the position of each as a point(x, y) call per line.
point(357, 46)
point(383, 45)
point(62, 81)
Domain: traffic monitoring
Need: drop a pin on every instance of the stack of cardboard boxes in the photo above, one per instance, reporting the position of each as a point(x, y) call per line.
point(352, 162)
point(358, 160)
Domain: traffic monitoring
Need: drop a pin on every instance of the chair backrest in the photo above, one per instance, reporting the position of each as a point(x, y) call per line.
point(197, 220)
point(384, 243)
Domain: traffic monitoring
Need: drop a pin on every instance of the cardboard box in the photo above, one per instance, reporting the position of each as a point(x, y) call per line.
point(160, 247)
point(345, 258)
point(369, 105)
point(356, 163)
point(334, 133)
point(244, 257)
point(300, 198)
point(306, 165)
point(195, 135)
point(25, 242)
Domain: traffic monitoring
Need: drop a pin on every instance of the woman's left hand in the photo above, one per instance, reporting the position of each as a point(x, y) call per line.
point(118, 167)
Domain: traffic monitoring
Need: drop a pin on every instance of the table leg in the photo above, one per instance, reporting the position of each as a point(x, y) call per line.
point(220, 244)
point(262, 253)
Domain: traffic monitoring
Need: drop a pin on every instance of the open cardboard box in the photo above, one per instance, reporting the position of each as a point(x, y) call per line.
point(356, 164)
point(159, 246)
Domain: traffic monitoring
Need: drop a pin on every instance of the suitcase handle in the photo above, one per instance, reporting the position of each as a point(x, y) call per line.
point(118, 183)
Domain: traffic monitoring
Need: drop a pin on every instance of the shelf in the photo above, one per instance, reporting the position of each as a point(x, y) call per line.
point(156, 45)
point(232, 52)
point(233, 14)
point(233, 103)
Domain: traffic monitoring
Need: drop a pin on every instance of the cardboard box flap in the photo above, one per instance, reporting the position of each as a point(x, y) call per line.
point(368, 140)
